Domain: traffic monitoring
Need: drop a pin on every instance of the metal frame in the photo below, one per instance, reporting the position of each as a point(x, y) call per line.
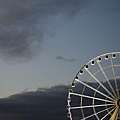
point(102, 80)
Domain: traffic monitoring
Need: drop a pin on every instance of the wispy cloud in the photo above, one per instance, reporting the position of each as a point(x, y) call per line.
point(66, 59)
point(22, 24)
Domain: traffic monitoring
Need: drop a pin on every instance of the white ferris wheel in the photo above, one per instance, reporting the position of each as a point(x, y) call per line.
point(95, 90)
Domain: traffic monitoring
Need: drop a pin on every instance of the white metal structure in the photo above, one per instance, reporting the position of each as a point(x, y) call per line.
point(95, 91)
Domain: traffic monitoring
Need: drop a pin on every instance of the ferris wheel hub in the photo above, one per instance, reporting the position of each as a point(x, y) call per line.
point(118, 102)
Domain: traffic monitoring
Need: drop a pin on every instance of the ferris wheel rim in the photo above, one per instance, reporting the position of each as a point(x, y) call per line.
point(111, 55)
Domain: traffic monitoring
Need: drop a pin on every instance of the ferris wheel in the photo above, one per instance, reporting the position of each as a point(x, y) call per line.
point(95, 90)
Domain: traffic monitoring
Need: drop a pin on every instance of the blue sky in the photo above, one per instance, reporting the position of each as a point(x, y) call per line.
point(44, 43)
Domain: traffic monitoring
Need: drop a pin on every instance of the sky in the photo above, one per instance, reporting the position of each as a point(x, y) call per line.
point(44, 43)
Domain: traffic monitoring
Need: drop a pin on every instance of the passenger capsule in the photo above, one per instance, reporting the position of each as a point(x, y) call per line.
point(106, 57)
point(81, 72)
point(114, 56)
point(76, 77)
point(69, 99)
point(70, 90)
point(99, 59)
point(86, 66)
point(73, 84)
point(92, 62)
point(68, 115)
point(68, 106)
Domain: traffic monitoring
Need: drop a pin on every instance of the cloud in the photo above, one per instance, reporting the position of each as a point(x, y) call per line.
point(50, 103)
point(65, 59)
point(38, 105)
point(23, 24)
point(114, 6)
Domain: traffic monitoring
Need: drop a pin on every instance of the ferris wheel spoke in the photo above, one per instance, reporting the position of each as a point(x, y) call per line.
point(81, 95)
point(97, 80)
point(113, 70)
point(97, 113)
point(95, 89)
point(106, 78)
point(107, 114)
point(90, 106)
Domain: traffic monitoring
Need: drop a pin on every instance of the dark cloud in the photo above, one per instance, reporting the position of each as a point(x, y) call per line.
point(22, 24)
point(43, 104)
point(50, 103)
point(65, 59)
point(114, 7)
